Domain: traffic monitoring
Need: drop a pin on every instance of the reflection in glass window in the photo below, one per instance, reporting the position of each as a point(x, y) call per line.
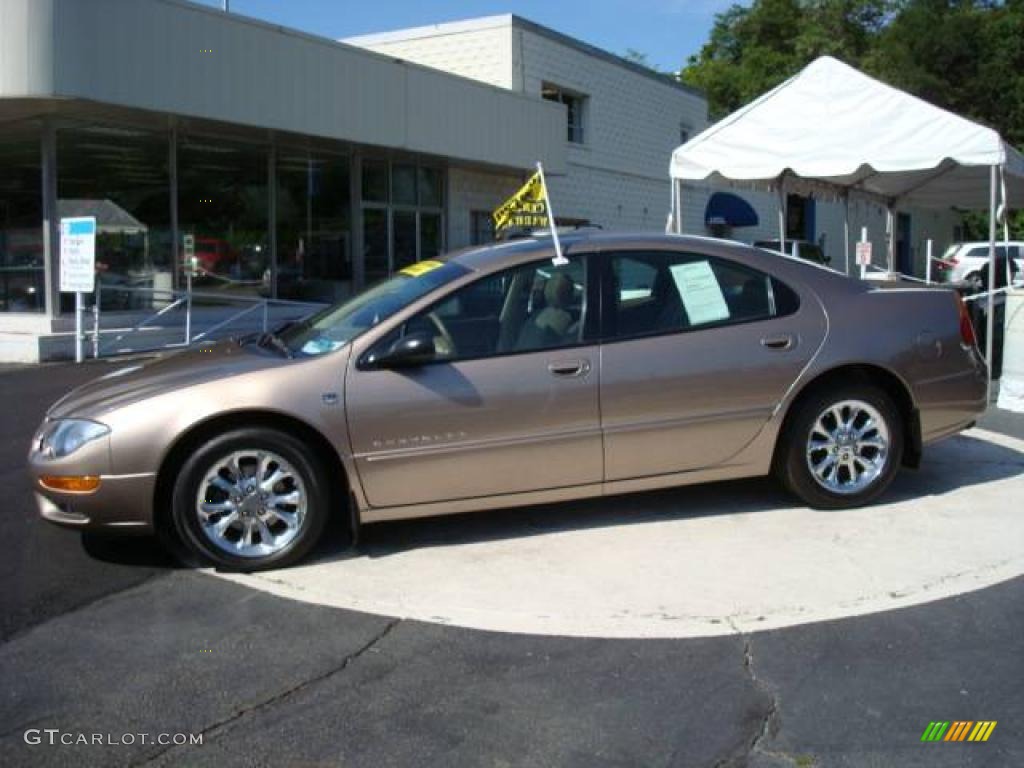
point(431, 189)
point(405, 239)
point(22, 275)
point(403, 184)
point(402, 216)
point(314, 259)
point(120, 176)
point(333, 327)
point(481, 228)
point(375, 245)
point(375, 181)
point(223, 202)
point(430, 236)
point(662, 292)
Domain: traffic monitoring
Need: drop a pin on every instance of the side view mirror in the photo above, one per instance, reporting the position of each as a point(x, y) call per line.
point(409, 351)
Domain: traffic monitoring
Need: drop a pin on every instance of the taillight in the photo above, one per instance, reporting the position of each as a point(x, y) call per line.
point(967, 335)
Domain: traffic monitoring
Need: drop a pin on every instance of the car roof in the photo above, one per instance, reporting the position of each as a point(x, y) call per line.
point(985, 243)
point(498, 256)
point(512, 252)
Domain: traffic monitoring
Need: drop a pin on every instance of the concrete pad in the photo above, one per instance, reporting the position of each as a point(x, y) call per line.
point(705, 560)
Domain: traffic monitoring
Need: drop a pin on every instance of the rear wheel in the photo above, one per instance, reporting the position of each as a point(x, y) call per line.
point(975, 282)
point(251, 499)
point(843, 447)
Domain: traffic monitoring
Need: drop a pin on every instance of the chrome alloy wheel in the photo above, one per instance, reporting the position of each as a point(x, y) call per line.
point(848, 447)
point(251, 503)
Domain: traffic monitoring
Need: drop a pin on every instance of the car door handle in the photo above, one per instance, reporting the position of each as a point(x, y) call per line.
point(780, 341)
point(569, 368)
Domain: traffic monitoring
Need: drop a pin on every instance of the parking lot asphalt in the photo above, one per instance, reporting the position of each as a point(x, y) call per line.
point(109, 638)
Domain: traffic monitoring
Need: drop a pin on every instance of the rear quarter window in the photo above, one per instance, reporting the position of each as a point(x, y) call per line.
point(658, 292)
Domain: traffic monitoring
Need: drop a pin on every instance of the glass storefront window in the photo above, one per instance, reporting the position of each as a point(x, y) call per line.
point(431, 190)
point(403, 184)
point(430, 236)
point(406, 225)
point(22, 258)
point(223, 203)
point(120, 177)
point(375, 244)
point(314, 232)
point(375, 181)
point(405, 239)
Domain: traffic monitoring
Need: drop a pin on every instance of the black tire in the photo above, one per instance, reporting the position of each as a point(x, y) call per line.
point(975, 283)
point(792, 465)
point(306, 470)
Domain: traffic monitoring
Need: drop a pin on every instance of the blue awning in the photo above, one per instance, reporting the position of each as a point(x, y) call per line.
point(730, 210)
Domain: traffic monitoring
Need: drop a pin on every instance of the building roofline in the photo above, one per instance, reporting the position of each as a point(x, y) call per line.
point(512, 20)
point(601, 53)
point(330, 42)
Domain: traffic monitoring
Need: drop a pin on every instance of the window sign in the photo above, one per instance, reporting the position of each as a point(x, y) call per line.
point(77, 254)
point(701, 294)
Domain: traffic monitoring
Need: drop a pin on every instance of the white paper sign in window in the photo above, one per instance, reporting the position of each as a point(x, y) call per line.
point(701, 294)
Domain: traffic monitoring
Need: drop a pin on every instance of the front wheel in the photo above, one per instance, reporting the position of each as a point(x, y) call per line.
point(843, 447)
point(251, 499)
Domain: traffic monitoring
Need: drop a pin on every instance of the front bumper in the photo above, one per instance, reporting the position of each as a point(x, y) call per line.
point(121, 502)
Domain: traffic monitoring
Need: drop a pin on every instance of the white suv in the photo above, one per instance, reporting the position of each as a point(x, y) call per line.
point(964, 262)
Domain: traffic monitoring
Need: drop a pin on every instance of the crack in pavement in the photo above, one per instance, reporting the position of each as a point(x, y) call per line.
point(220, 725)
point(769, 722)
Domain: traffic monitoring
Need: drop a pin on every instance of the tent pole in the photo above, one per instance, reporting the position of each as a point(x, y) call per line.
point(679, 205)
point(1003, 213)
point(890, 233)
point(782, 213)
point(670, 222)
point(846, 232)
point(990, 313)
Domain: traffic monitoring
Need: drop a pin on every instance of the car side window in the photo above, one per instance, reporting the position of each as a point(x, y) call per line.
point(664, 292)
point(531, 307)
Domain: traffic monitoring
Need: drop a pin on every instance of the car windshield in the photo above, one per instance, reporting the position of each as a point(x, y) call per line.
point(337, 325)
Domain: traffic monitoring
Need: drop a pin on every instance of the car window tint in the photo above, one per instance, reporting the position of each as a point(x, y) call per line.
point(531, 307)
point(658, 292)
point(634, 278)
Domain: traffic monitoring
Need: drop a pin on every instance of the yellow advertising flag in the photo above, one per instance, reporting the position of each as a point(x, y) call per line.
point(527, 208)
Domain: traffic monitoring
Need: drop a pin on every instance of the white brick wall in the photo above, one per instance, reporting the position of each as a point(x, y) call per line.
point(631, 121)
point(480, 54)
point(611, 200)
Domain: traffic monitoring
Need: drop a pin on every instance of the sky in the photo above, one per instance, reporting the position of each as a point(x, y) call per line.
point(668, 31)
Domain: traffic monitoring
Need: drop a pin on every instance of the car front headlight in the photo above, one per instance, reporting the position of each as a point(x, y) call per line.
point(63, 437)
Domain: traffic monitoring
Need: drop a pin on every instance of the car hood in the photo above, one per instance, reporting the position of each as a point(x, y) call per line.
point(173, 372)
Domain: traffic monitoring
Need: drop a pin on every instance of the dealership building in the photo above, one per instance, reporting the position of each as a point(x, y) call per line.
point(304, 168)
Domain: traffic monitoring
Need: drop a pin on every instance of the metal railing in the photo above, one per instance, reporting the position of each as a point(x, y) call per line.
point(182, 318)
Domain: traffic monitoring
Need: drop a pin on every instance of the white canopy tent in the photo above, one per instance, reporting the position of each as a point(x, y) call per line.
point(831, 126)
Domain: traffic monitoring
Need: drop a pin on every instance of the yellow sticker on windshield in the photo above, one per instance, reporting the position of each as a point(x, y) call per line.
point(421, 268)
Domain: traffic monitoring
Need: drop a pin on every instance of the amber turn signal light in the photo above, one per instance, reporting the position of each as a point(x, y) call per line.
point(71, 483)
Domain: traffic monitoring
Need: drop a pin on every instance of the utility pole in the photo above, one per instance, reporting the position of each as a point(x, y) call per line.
point(227, 6)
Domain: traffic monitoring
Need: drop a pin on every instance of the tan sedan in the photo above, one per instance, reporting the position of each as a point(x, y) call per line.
point(499, 378)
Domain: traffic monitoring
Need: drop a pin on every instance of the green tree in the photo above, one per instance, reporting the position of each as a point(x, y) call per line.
point(753, 49)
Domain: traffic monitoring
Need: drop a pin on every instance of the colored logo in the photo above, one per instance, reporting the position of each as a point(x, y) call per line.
point(959, 730)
